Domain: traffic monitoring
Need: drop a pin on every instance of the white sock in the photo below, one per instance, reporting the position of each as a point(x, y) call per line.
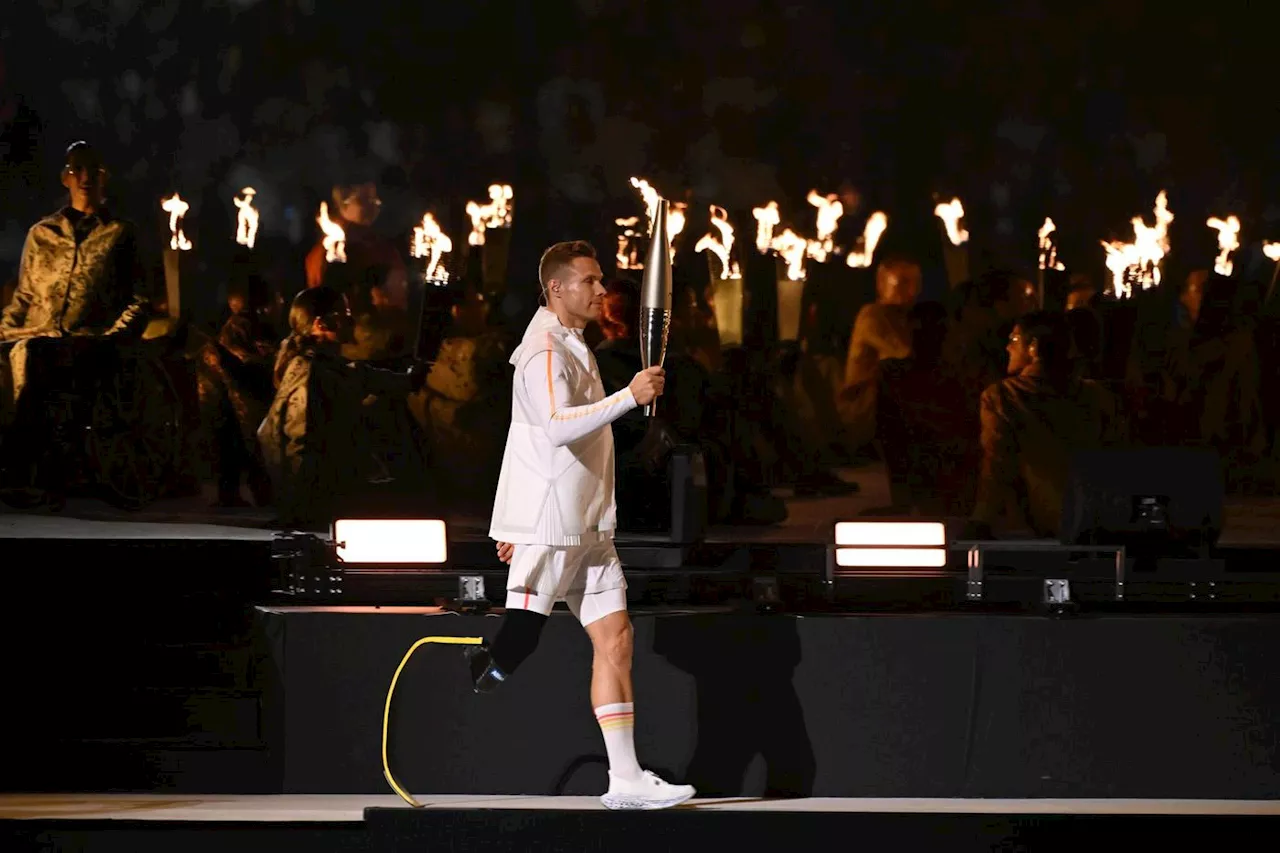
point(618, 725)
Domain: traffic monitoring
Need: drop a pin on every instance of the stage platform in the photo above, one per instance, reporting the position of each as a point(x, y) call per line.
point(929, 705)
point(140, 824)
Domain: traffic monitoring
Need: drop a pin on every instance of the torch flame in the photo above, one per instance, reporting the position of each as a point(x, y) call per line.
point(429, 241)
point(628, 254)
point(335, 239)
point(876, 225)
point(1228, 242)
point(723, 246)
point(766, 218)
point(829, 212)
point(1271, 250)
point(1140, 260)
point(675, 212)
point(792, 249)
point(496, 213)
point(951, 213)
point(176, 208)
point(246, 218)
point(1048, 249)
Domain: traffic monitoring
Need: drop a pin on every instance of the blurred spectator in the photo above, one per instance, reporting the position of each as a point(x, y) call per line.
point(1031, 424)
point(373, 261)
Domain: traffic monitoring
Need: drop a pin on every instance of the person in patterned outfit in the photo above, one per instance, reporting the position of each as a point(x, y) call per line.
point(81, 289)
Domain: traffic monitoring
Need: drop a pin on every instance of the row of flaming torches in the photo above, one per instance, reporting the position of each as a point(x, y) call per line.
point(429, 240)
point(1129, 263)
point(1133, 263)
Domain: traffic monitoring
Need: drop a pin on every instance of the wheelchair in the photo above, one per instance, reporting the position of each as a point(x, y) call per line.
point(117, 426)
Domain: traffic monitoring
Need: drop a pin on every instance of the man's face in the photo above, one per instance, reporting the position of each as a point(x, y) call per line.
point(580, 288)
point(362, 206)
point(899, 284)
point(86, 180)
point(1193, 293)
point(1019, 349)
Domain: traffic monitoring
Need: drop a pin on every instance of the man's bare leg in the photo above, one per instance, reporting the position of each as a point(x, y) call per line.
point(611, 642)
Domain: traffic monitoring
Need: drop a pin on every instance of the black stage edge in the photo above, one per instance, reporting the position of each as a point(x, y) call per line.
point(690, 829)
point(739, 704)
point(395, 830)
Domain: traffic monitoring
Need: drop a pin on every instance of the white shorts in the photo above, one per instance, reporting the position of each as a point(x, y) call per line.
point(588, 578)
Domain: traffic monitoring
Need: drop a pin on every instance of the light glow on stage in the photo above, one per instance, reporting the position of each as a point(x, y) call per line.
point(891, 533)
point(891, 558)
point(381, 541)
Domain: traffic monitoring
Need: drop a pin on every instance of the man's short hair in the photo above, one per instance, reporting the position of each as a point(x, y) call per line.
point(560, 256)
point(1052, 334)
point(81, 153)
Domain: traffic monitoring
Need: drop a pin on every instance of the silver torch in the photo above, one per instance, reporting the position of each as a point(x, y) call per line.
point(655, 297)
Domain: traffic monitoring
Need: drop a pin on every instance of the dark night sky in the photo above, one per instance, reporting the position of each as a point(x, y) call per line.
point(1020, 110)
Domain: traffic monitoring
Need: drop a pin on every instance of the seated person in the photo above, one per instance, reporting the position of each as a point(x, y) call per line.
point(81, 284)
point(233, 382)
point(314, 438)
point(1032, 422)
point(924, 424)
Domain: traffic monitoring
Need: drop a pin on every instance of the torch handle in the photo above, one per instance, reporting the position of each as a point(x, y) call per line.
point(655, 325)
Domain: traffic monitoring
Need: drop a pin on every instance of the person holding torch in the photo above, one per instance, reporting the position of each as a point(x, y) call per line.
point(554, 513)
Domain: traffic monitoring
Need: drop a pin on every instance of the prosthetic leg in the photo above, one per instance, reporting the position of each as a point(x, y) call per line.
point(492, 664)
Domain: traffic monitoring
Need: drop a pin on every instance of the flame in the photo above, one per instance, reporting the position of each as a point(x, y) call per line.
point(628, 255)
point(246, 218)
point(176, 208)
point(1139, 261)
point(876, 225)
point(951, 213)
point(1049, 249)
point(792, 249)
point(494, 214)
point(829, 212)
point(1271, 250)
point(429, 241)
point(722, 246)
point(335, 239)
point(766, 218)
point(675, 219)
point(675, 212)
point(1228, 242)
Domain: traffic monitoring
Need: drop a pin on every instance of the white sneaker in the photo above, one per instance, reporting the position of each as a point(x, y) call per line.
point(646, 792)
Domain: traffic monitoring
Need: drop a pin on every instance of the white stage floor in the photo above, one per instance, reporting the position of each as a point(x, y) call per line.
point(350, 808)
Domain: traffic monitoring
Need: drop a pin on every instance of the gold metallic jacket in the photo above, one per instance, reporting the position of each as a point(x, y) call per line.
point(78, 281)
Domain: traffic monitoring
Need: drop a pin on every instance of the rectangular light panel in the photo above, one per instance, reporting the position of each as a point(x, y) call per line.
point(415, 541)
point(891, 533)
point(891, 558)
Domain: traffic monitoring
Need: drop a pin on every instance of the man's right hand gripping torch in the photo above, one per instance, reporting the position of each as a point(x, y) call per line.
point(655, 298)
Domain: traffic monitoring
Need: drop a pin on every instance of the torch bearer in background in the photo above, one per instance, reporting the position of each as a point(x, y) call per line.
point(954, 252)
point(1228, 241)
point(178, 243)
point(1048, 256)
point(726, 282)
point(655, 296)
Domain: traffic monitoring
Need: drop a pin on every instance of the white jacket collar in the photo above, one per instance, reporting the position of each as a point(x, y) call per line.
point(544, 322)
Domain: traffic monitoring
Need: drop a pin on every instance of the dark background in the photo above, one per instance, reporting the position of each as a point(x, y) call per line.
point(1082, 111)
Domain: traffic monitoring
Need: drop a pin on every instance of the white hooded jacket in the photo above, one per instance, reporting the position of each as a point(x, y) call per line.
point(556, 485)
